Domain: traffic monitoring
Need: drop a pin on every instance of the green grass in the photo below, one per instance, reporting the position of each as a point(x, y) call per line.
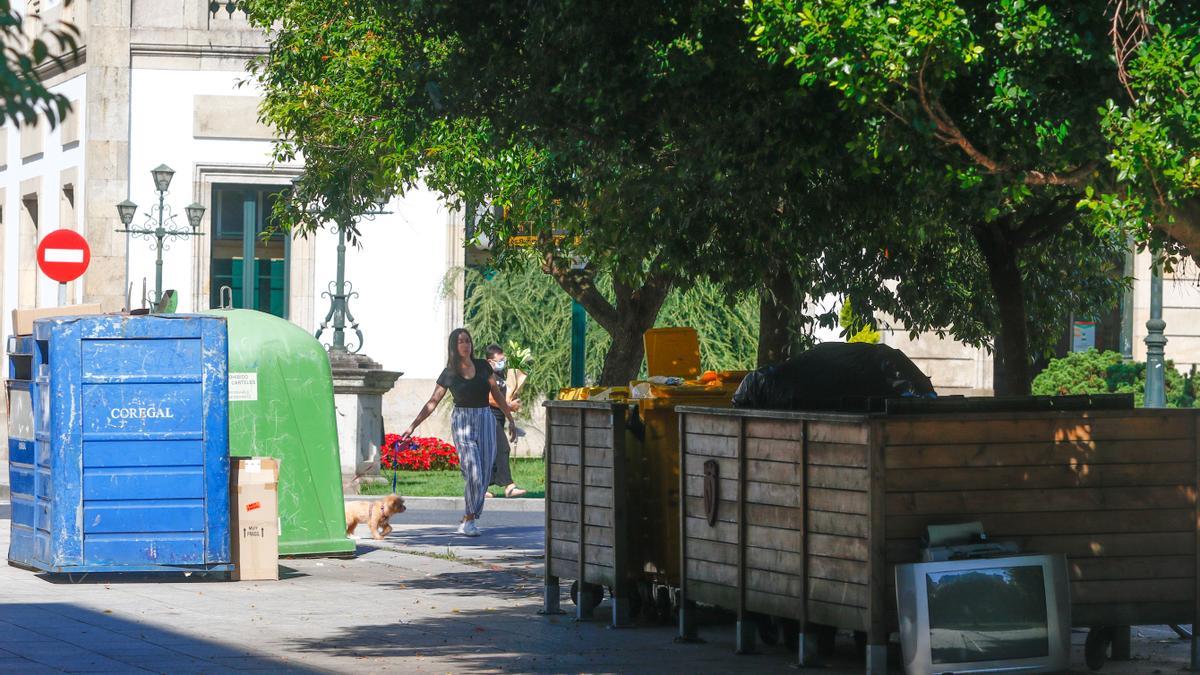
point(529, 474)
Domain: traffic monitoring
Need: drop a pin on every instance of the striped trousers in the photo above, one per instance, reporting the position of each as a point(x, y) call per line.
point(474, 431)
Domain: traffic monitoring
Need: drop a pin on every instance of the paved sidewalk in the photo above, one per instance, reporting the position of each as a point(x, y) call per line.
point(395, 608)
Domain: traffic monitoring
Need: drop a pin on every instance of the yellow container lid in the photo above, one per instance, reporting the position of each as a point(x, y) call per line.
point(672, 352)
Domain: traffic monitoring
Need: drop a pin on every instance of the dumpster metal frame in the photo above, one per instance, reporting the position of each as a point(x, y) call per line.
point(587, 533)
point(1114, 490)
point(71, 354)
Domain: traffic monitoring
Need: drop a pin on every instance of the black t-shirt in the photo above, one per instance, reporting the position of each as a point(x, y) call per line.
point(472, 393)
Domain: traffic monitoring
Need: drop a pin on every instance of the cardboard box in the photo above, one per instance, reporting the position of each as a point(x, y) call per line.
point(254, 523)
point(23, 318)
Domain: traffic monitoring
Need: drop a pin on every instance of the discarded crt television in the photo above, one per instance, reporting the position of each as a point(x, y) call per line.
point(1010, 614)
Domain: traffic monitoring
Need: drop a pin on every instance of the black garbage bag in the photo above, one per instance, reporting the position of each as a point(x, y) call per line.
point(834, 376)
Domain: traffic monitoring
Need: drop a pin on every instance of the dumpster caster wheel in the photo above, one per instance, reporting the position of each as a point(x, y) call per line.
point(597, 593)
point(768, 630)
point(634, 598)
point(665, 609)
point(1098, 646)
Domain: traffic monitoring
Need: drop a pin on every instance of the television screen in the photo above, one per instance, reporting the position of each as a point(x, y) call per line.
point(988, 614)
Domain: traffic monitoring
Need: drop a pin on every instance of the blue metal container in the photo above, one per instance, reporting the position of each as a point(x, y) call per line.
point(128, 469)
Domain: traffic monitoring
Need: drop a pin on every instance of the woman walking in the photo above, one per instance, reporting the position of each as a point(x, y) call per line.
point(469, 381)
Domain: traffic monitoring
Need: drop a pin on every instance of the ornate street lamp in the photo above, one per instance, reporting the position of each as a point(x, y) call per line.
point(341, 291)
point(1156, 341)
point(160, 226)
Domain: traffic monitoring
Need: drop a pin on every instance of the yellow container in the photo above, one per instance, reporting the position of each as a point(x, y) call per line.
point(657, 478)
point(672, 352)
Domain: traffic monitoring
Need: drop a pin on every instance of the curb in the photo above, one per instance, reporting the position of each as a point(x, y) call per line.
point(450, 503)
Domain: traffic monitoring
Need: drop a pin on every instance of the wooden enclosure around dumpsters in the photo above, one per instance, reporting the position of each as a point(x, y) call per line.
point(803, 515)
point(587, 537)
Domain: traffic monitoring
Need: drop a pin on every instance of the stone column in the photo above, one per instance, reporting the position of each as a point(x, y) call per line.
point(359, 384)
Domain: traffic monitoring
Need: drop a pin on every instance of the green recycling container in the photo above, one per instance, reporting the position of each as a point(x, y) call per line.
point(281, 405)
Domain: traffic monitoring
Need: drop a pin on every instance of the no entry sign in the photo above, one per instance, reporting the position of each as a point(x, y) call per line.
point(64, 255)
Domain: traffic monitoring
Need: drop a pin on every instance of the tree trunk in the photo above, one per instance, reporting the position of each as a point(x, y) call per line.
point(633, 312)
point(1012, 363)
point(776, 318)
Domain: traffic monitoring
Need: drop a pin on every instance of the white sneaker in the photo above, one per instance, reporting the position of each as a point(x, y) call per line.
point(468, 528)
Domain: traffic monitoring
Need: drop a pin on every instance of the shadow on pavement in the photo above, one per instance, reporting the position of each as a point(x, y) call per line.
point(529, 538)
point(492, 582)
point(67, 637)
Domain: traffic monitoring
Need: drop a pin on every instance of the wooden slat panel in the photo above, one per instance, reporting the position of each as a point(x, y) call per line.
point(829, 546)
point(1079, 545)
point(756, 514)
point(1160, 567)
point(762, 537)
point(563, 568)
point(593, 476)
point(784, 430)
point(1033, 427)
point(598, 419)
point(569, 512)
point(568, 417)
point(596, 554)
point(838, 592)
point(758, 471)
point(592, 437)
point(838, 569)
point(1132, 613)
point(1040, 500)
point(593, 496)
point(562, 531)
point(775, 583)
point(716, 425)
point(837, 501)
point(1131, 590)
point(1034, 477)
point(756, 601)
point(837, 454)
point(1064, 522)
point(569, 455)
point(832, 432)
point(844, 524)
point(1070, 453)
point(713, 573)
point(838, 478)
point(757, 558)
point(842, 616)
point(756, 493)
point(705, 445)
point(770, 449)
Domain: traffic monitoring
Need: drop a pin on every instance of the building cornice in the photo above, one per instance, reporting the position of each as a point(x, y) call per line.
point(50, 72)
point(193, 51)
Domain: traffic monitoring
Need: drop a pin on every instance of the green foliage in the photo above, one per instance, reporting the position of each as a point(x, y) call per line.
point(523, 306)
point(23, 95)
point(857, 328)
point(1095, 372)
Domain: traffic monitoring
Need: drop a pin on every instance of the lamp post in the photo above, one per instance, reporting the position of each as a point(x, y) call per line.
point(160, 225)
point(1156, 384)
point(341, 291)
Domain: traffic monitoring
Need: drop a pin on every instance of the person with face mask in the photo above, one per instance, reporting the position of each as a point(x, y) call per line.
point(510, 382)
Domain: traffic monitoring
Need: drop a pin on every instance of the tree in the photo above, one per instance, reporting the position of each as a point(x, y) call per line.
point(990, 106)
point(649, 142)
point(1153, 125)
point(660, 154)
point(29, 44)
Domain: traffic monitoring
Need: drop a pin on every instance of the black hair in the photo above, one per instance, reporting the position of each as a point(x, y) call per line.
point(452, 359)
point(493, 349)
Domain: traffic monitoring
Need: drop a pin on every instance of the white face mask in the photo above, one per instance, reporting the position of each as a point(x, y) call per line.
point(500, 364)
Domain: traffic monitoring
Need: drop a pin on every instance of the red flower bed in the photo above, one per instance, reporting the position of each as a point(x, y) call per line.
point(417, 454)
